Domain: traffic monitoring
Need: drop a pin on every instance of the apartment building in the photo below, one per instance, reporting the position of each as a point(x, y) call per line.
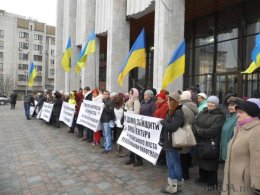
point(23, 41)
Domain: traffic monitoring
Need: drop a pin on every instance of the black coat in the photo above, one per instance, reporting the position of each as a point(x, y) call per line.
point(13, 98)
point(170, 125)
point(207, 130)
point(108, 111)
point(57, 104)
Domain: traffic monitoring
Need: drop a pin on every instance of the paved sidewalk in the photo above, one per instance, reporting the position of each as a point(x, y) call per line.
point(36, 158)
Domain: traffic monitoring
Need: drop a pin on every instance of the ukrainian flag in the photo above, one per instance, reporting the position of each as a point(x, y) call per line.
point(255, 56)
point(66, 60)
point(135, 58)
point(32, 75)
point(176, 66)
point(89, 48)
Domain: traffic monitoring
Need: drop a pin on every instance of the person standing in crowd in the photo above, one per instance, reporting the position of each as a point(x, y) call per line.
point(79, 99)
point(113, 129)
point(228, 127)
point(133, 106)
point(13, 98)
point(174, 120)
point(57, 104)
point(107, 117)
point(148, 105)
point(202, 101)
point(119, 114)
point(28, 101)
point(190, 110)
point(72, 101)
point(207, 130)
point(88, 96)
point(242, 167)
point(161, 112)
point(96, 97)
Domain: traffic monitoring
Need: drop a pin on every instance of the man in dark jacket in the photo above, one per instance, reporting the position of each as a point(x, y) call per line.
point(13, 98)
point(88, 96)
point(28, 101)
point(107, 119)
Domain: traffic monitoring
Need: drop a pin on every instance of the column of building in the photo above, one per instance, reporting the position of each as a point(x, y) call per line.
point(168, 33)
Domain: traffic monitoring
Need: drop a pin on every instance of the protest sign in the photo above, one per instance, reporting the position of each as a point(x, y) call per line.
point(90, 114)
point(141, 135)
point(67, 113)
point(46, 111)
point(32, 109)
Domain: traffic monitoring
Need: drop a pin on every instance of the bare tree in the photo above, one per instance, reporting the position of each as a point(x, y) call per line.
point(5, 84)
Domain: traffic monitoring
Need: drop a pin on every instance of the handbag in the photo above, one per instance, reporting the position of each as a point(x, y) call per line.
point(183, 137)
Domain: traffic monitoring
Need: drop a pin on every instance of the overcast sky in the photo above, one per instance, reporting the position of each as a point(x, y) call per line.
point(41, 10)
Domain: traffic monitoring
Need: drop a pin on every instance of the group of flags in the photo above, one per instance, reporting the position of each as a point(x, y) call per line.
point(137, 58)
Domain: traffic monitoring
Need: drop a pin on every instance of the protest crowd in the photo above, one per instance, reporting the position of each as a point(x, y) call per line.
point(143, 125)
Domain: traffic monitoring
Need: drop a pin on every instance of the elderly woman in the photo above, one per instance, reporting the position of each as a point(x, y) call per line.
point(242, 168)
point(228, 127)
point(148, 105)
point(207, 130)
point(174, 120)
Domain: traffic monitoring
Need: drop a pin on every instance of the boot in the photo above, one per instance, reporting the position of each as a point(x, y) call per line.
point(171, 188)
point(179, 185)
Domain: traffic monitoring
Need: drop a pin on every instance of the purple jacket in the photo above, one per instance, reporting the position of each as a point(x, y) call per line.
point(147, 108)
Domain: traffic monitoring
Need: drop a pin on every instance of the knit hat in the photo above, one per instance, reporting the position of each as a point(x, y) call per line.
point(233, 100)
point(186, 95)
point(254, 100)
point(149, 93)
point(249, 107)
point(174, 95)
point(113, 94)
point(202, 95)
point(161, 95)
point(213, 99)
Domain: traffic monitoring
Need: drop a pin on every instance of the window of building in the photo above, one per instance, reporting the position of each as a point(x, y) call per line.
point(23, 56)
point(21, 77)
point(53, 41)
point(37, 47)
point(39, 68)
point(38, 78)
point(22, 66)
point(23, 45)
point(52, 71)
point(1, 66)
point(2, 33)
point(1, 45)
point(1, 54)
point(38, 37)
point(23, 34)
point(52, 61)
point(52, 52)
point(37, 58)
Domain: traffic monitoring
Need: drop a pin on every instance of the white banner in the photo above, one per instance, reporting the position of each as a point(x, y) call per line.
point(67, 113)
point(32, 108)
point(90, 114)
point(141, 135)
point(46, 111)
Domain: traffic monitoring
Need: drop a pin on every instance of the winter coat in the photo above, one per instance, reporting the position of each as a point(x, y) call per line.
point(161, 110)
point(79, 99)
point(13, 98)
point(190, 110)
point(242, 167)
point(29, 100)
point(108, 111)
point(98, 99)
point(227, 134)
point(147, 108)
point(88, 96)
point(202, 105)
point(72, 99)
point(118, 117)
point(133, 105)
point(57, 104)
point(170, 125)
point(207, 130)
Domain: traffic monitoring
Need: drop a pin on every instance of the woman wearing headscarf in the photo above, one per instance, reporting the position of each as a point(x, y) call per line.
point(242, 167)
point(228, 127)
point(133, 106)
point(207, 130)
point(174, 120)
point(202, 101)
point(96, 97)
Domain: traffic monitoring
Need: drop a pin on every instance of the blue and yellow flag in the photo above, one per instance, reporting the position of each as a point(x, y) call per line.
point(89, 48)
point(176, 66)
point(32, 74)
point(255, 56)
point(135, 58)
point(66, 60)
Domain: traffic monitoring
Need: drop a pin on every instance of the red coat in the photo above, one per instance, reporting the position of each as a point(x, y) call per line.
point(79, 99)
point(161, 110)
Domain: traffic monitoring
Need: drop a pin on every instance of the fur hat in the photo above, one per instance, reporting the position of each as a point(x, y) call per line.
point(203, 95)
point(186, 95)
point(174, 95)
point(233, 100)
point(249, 107)
point(213, 99)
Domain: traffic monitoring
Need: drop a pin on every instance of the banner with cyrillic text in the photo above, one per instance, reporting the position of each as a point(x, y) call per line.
point(46, 111)
point(90, 114)
point(67, 113)
point(141, 135)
